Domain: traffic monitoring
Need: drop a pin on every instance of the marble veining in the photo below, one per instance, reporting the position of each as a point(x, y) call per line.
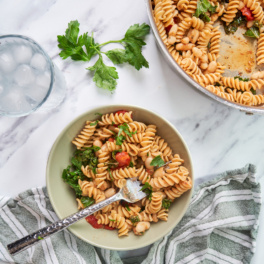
point(219, 138)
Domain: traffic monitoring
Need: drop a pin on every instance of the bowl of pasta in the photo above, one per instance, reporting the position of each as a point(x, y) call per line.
point(95, 154)
point(217, 46)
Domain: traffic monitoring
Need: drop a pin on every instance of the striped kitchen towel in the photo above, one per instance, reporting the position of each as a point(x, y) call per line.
point(220, 226)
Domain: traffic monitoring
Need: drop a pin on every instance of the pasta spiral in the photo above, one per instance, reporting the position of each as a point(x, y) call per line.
point(82, 139)
point(182, 4)
point(163, 147)
point(158, 11)
point(182, 28)
point(215, 41)
point(162, 31)
point(123, 173)
point(147, 140)
point(116, 118)
point(120, 223)
point(231, 11)
point(256, 9)
point(179, 189)
point(190, 66)
point(235, 83)
point(168, 15)
point(163, 214)
point(217, 91)
point(155, 205)
point(88, 189)
point(260, 49)
point(197, 23)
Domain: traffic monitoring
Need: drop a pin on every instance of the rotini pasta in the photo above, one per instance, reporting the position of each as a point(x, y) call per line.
point(194, 43)
point(125, 151)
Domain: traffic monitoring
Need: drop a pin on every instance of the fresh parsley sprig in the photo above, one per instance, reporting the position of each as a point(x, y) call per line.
point(157, 161)
point(202, 7)
point(123, 128)
point(147, 188)
point(166, 203)
point(83, 48)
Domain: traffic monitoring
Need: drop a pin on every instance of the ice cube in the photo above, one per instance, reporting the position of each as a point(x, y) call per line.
point(43, 80)
point(22, 53)
point(38, 62)
point(14, 102)
point(36, 92)
point(24, 75)
point(7, 62)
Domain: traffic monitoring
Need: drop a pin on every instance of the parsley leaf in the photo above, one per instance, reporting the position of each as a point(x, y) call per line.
point(147, 188)
point(98, 114)
point(117, 56)
point(72, 46)
point(166, 203)
point(128, 209)
point(110, 174)
point(157, 161)
point(202, 7)
point(253, 91)
point(252, 32)
point(123, 128)
point(87, 201)
point(40, 238)
point(112, 220)
point(104, 76)
point(114, 153)
point(233, 26)
point(241, 79)
point(131, 164)
point(134, 219)
point(94, 123)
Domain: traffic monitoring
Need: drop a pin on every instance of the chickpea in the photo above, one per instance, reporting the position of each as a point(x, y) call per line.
point(197, 52)
point(241, 5)
point(104, 147)
point(183, 47)
point(185, 40)
point(110, 192)
point(171, 40)
point(212, 67)
point(147, 163)
point(250, 24)
point(204, 65)
point(204, 58)
point(193, 35)
point(105, 185)
point(173, 30)
point(158, 173)
point(98, 143)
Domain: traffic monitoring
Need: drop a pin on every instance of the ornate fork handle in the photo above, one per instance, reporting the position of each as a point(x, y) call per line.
point(37, 236)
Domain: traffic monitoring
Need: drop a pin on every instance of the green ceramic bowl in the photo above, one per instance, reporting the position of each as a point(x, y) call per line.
point(63, 198)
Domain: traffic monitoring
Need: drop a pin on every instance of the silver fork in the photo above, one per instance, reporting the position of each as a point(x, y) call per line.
point(131, 193)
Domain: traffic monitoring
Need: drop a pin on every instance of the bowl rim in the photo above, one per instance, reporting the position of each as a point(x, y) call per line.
point(177, 67)
point(120, 106)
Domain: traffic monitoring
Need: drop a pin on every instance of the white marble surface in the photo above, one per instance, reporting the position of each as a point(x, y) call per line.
point(219, 138)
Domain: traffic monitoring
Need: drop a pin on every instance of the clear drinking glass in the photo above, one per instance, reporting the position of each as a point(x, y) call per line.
point(28, 77)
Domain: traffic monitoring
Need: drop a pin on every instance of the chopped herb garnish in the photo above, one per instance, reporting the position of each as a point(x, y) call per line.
point(252, 32)
point(233, 26)
point(147, 154)
point(131, 164)
point(253, 91)
point(112, 220)
point(110, 174)
point(157, 161)
point(40, 238)
point(204, 6)
point(166, 203)
point(113, 123)
point(134, 219)
point(87, 201)
point(98, 114)
point(114, 153)
point(94, 123)
point(147, 188)
point(73, 173)
point(128, 209)
point(123, 128)
point(241, 79)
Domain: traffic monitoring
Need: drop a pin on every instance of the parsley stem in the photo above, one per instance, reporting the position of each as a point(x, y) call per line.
point(111, 41)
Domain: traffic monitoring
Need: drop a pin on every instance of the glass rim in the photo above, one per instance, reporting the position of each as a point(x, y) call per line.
point(51, 67)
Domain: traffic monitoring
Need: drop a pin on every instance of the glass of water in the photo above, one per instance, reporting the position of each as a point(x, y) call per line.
point(28, 77)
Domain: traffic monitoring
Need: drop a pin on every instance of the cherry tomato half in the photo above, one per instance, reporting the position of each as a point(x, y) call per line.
point(122, 158)
point(111, 140)
point(93, 222)
point(108, 227)
point(121, 112)
point(247, 13)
